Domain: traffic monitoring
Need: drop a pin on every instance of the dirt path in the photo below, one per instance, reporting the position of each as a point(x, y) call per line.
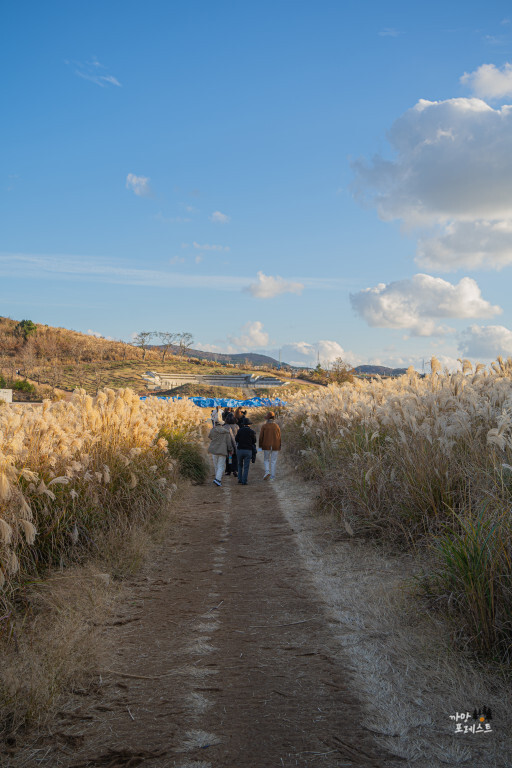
point(224, 655)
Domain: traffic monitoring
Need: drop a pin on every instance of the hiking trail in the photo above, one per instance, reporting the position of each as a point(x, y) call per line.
point(225, 654)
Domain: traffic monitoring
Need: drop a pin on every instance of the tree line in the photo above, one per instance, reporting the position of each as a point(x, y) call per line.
point(167, 341)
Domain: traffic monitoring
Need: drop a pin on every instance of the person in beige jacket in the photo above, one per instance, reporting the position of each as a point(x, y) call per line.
point(270, 442)
point(221, 445)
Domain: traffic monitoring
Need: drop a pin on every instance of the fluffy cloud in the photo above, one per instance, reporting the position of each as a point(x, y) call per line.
point(266, 287)
point(417, 303)
point(251, 335)
point(302, 353)
point(470, 244)
point(452, 169)
point(486, 342)
point(489, 82)
point(138, 184)
point(219, 218)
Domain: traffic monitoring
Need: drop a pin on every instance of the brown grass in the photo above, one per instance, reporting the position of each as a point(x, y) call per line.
point(54, 644)
point(407, 673)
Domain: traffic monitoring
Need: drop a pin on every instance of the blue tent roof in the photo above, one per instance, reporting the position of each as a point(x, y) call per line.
point(227, 402)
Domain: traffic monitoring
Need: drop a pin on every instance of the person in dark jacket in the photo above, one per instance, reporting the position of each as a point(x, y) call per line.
point(245, 439)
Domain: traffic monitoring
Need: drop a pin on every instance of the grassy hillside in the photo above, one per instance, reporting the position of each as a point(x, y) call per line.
point(59, 358)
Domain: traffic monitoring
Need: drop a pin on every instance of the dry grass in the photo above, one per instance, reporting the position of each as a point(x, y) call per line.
point(54, 644)
point(404, 666)
point(423, 464)
point(205, 390)
point(71, 469)
point(85, 481)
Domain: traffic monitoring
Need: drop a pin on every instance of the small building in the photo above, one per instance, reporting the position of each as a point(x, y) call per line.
point(244, 381)
point(6, 395)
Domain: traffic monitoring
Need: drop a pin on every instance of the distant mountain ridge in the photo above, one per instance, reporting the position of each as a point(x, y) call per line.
point(252, 358)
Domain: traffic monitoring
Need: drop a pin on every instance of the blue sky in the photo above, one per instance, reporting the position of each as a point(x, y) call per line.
point(325, 178)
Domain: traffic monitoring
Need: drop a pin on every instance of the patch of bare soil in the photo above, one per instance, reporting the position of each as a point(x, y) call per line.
point(226, 654)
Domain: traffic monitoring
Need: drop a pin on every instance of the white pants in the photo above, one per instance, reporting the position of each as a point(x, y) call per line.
point(219, 465)
point(269, 462)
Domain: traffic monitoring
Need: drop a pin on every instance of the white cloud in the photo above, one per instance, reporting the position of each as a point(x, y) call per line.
point(176, 260)
point(73, 267)
point(302, 353)
point(91, 70)
point(489, 82)
point(452, 171)
point(470, 244)
point(486, 342)
point(138, 184)
point(95, 333)
point(267, 287)
point(221, 348)
point(417, 303)
point(219, 218)
point(251, 335)
point(209, 247)
point(389, 32)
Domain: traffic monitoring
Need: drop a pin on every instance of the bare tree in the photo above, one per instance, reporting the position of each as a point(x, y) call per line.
point(185, 341)
point(340, 371)
point(98, 377)
point(141, 340)
point(167, 340)
point(29, 358)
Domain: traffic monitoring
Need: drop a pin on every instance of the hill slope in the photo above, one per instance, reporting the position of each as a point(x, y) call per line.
point(66, 359)
point(245, 358)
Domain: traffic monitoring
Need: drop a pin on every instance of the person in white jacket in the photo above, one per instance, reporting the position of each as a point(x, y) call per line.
point(215, 415)
point(221, 445)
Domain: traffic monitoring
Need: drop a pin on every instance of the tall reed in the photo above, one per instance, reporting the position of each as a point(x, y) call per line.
point(71, 468)
point(409, 460)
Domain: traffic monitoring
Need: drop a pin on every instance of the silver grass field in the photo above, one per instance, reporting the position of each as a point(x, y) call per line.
point(425, 465)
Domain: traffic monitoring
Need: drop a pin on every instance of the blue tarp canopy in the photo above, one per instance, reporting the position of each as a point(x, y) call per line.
point(227, 402)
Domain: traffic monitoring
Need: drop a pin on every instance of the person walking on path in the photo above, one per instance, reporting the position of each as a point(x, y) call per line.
point(270, 442)
point(239, 414)
point(215, 415)
point(221, 445)
point(231, 460)
point(245, 440)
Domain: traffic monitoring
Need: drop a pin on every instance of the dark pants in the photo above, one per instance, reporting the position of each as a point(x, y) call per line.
point(244, 456)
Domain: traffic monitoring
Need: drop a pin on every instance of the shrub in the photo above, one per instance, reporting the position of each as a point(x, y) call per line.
point(23, 386)
point(472, 577)
point(190, 458)
point(25, 328)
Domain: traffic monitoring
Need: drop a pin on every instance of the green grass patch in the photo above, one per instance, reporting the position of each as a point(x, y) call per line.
point(190, 458)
